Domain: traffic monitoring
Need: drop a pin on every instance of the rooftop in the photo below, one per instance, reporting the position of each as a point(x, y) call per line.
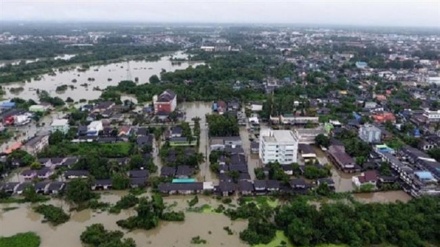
point(60, 122)
point(279, 136)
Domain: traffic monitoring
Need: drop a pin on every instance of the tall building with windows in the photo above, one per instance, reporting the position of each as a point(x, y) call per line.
point(370, 133)
point(278, 145)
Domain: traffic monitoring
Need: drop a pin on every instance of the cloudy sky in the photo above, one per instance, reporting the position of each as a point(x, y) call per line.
point(348, 12)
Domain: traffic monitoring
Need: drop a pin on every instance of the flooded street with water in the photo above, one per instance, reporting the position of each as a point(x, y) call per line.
point(200, 109)
point(103, 75)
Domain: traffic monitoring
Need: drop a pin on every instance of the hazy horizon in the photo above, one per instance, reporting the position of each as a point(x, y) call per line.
point(406, 13)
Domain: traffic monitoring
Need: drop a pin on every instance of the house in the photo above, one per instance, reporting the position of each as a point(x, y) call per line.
point(94, 128)
point(220, 143)
point(146, 140)
point(138, 174)
point(226, 188)
point(142, 131)
point(60, 125)
point(138, 182)
point(36, 144)
point(44, 173)
point(102, 184)
point(220, 107)
point(181, 188)
point(29, 174)
point(328, 181)
point(307, 153)
point(176, 131)
point(278, 145)
point(256, 107)
point(9, 187)
point(370, 133)
point(166, 171)
point(55, 188)
point(71, 174)
point(21, 187)
point(255, 147)
point(341, 159)
point(260, 187)
point(184, 172)
point(103, 106)
point(245, 187)
point(367, 177)
point(124, 130)
point(384, 117)
point(56, 161)
point(41, 187)
point(298, 184)
point(272, 185)
point(165, 102)
point(70, 161)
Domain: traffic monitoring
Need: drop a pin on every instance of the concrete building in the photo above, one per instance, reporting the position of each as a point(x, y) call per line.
point(370, 133)
point(278, 145)
point(94, 127)
point(432, 116)
point(165, 102)
point(60, 125)
point(36, 144)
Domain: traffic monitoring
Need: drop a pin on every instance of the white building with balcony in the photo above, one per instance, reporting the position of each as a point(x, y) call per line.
point(278, 146)
point(370, 133)
point(432, 116)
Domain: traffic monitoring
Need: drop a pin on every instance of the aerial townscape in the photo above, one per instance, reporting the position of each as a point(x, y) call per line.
point(147, 134)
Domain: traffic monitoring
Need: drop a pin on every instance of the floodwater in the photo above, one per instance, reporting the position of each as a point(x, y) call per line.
point(103, 75)
point(383, 197)
point(200, 109)
point(208, 226)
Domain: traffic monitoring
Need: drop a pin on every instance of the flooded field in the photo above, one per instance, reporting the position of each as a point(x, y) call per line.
point(103, 75)
point(208, 226)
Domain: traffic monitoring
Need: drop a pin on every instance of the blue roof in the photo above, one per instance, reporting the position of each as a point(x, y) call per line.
point(184, 180)
point(425, 175)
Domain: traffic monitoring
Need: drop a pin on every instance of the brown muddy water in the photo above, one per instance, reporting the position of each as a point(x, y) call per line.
point(200, 109)
point(208, 226)
point(383, 197)
point(117, 72)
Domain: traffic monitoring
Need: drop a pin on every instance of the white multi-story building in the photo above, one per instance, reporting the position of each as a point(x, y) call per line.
point(278, 146)
point(432, 116)
point(370, 133)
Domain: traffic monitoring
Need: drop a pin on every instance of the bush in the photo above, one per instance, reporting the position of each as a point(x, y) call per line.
point(54, 215)
point(28, 239)
point(97, 235)
point(125, 202)
point(193, 201)
point(173, 216)
point(198, 240)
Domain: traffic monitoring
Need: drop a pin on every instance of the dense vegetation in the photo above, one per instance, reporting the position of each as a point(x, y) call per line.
point(97, 235)
point(149, 213)
point(222, 125)
point(410, 224)
point(28, 239)
point(109, 150)
point(125, 202)
point(52, 214)
point(79, 191)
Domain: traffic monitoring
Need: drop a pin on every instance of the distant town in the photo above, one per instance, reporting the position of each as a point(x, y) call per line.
point(240, 114)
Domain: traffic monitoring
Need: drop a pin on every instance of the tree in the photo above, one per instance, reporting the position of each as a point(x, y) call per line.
point(136, 162)
point(234, 175)
point(97, 235)
point(435, 153)
point(79, 191)
point(154, 79)
point(35, 165)
point(56, 137)
point(53, 214)
point(120, 181)
point(322, 140)
point(259, 173)
point(30, 195)
point(315, 172)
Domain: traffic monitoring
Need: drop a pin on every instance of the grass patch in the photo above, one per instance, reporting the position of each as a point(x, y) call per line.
point(262, 200)
point(28, 239)
point(279, 240)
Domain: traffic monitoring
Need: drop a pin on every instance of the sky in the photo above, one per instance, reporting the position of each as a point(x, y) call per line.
point(423, 13)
